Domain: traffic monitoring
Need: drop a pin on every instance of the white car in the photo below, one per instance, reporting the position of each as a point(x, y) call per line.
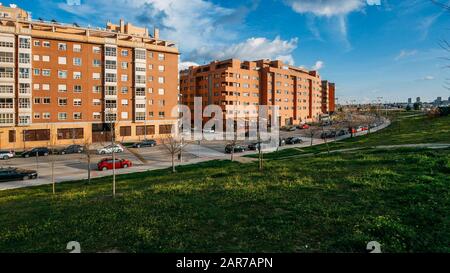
point(6, 155)
point(109, 149)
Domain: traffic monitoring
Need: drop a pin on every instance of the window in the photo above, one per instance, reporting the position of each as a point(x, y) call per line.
point(96, 76)
point(140, 91)
point(145, 130)
point(77, 116)
point(46, 44)
point(46, 72)
point(76, 102)
point(37, 43)
point(124, 102)
point(161, 114)
point(140, 116)
point(124, 65)
point(111, 91)
point(62, 116)
point(161, 56)
point(124, 78)
point(36, 71)
point(6, 118)
point(36, 135)
point(70, 133)
point(96, 102)
point(24, 43)
point(160, 79)
point(24, 73)
point(96, 89)
point(46, 87)
point(150, 90)
point(62, 46)
point(161, 68)
point(46, 100)
point(96, 115)
point(62, 60)
point(77, 89)
point(24, 58)
point(160, 91)
point(150, 55)
point(6, 44)
point(62, 101)
point(37, 100)
point(11, 135)
point(124, 90)
point(140, 79)
point(37, 115)
point(76, 75)
point(46, 115)
point(62, 74)
point(139, 54)
point(110, 77)
point(165, 129)
point(24, 103)
point(6, 89)
point(161, 102)
point(7, 57)
point(150, 66)
point(111, 51)
point(76, 48)
point(77, 61)
point(109, 64)
point(36, 86)
point(45, 58)
point(96, 63)
point(124, 115)
point(124, 52)
point(36, 58)
point(96, 50)
point(6, 72)
point(125, 130)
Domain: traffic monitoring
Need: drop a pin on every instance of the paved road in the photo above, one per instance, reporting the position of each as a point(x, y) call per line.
point(74, 167)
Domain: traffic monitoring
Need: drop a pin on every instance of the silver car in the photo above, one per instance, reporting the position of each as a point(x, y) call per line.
point(117, 148)
point(6, 155)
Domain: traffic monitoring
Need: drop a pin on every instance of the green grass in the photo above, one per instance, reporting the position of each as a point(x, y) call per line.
point(334, 203)
point(403, 130)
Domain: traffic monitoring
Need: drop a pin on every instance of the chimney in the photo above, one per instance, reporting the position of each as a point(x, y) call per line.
point(156, 33)
point(122, 26)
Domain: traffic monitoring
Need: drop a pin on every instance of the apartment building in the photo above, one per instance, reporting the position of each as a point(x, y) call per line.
point(234, 85)
point(328, 97)
point(62, 84)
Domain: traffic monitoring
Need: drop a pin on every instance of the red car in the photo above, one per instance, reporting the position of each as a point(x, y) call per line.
point(107, 164)
point(303, 126)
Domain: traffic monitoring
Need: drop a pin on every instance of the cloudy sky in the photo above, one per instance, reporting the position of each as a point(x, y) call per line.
point(391, 50)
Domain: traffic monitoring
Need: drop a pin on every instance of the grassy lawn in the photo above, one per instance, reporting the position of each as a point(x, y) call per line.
point(404, 129)
point(334, 203)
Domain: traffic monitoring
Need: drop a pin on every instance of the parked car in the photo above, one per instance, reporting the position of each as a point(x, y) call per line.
point(282, 142)
point(110, 148)
point(144, 143)
point(107, 164)
point(253, 146)
point(72, 149)
point(237, 149)
point(291, 129)
point(303, 126)
point(330, 134)
point(341, 133)
point(11, 174)
point(6, 154)
point(41, 151)
point(294, 140)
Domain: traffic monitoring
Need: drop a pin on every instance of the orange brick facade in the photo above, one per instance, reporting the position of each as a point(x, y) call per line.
point(232, 84)
point(62, 84)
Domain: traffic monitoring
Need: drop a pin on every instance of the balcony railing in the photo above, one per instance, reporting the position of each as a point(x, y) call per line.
point(6, 59)
point(111, 92)
point(25, 90)
point(24, 60)
point(111, 105)
point(24, 75)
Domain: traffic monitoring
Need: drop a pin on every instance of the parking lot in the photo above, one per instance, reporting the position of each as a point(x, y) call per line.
point(75, 166)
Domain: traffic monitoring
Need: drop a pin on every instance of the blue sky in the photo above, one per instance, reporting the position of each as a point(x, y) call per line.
point(390, 51)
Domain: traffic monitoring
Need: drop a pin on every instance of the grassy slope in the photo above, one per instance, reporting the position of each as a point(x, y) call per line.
point(403, 130)
point(325, 203)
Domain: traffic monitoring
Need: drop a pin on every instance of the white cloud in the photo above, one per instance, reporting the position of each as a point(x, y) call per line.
point(326, 8)
point(251, 49)
point(405, 53)
point(319, 65)
point(203, 30)
point(186, 65)
point(428, 78)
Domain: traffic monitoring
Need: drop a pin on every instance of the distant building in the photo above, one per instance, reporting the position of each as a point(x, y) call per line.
point(418, 99)
point(409, 100)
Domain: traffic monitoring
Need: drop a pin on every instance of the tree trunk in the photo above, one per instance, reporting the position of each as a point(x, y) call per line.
point(173, 163)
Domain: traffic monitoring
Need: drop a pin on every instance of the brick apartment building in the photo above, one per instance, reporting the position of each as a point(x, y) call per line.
point(62, 84)
point(328, 97)
point(234, 84)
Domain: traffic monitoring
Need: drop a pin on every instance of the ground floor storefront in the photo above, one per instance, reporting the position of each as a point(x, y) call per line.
point(82, 133)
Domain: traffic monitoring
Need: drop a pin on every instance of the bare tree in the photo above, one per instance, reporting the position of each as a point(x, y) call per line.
point(174, 146)
point(313, 131)
point(87, 151)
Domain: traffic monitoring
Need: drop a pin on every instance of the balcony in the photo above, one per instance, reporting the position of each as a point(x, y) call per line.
point(6, 105)
point(6, 75)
